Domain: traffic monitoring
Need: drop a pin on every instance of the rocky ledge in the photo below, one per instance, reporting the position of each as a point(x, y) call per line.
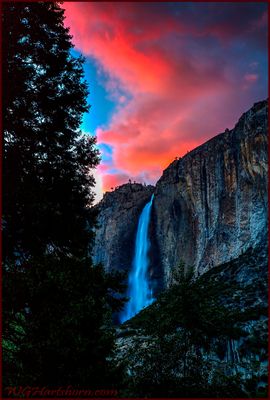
point(210, 206)
point(119, 212)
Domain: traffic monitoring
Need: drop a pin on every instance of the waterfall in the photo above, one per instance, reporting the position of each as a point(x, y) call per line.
point(139, 292)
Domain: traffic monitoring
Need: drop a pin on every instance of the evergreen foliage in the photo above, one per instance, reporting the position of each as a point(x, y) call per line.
point(57, 306)
point(181, 345)
point(47, 160)
point(64, 333)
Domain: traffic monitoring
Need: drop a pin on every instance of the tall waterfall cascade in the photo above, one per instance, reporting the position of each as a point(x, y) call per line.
point(139, 291)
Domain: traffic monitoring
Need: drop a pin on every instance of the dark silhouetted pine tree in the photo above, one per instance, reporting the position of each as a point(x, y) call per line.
point(57, 306)
point(46, 158)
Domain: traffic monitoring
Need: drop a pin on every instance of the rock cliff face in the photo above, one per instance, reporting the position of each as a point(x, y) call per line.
point(231, 352)
point(210, 206)
point(119, 212)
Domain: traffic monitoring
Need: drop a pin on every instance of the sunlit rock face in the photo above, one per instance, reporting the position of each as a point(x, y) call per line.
point(118, 220)
point(211, 205)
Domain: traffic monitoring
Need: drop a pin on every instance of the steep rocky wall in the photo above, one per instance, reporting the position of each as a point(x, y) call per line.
point(245, 293)
point(118, 220)
point(211, 205)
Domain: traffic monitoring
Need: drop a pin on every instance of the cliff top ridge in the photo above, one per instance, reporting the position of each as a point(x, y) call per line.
point(259, 108)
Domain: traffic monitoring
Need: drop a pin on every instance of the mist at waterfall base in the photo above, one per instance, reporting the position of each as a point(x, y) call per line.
point(139, 291)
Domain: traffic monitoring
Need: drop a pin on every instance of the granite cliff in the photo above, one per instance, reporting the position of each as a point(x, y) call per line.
point(210, 206)
point(117, 223)
point(218, 328)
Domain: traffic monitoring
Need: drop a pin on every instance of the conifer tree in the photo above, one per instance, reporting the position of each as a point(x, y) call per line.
point(57, 305)
point(47, 187)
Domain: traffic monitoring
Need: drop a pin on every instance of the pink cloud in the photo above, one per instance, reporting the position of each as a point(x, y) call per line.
point(111, 181)
point(179, 93)
point(251, 78)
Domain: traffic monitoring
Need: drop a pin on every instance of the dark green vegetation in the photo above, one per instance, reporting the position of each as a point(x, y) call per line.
point(57, 307)
point(202, 338)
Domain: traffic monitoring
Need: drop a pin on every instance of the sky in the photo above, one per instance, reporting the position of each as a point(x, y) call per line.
point(164, 77)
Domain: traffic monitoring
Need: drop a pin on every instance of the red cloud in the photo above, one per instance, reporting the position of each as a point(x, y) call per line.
point(251, 78)
point(111, 181)
point(182, 88)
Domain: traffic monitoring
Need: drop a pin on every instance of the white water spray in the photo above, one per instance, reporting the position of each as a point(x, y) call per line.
point(139, 292)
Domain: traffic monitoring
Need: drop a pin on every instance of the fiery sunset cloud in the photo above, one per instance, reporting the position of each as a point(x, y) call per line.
point(176, 74)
